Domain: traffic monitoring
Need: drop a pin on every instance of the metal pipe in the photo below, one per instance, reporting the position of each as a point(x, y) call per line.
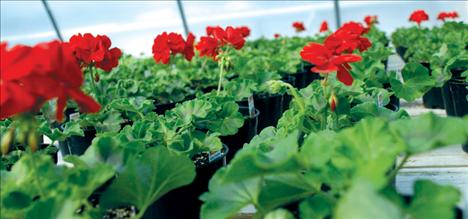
point(337, 13)
point(182, 17)
point(52, 19)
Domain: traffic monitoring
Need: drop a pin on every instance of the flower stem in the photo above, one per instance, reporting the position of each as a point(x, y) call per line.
point(400, 165)
point(221, 73)
point(36, 179)
point(93, 84)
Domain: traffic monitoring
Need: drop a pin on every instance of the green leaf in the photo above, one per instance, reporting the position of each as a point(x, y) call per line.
point(432, 201)
point(369, 109)
point(363, 202)
point(316, 207)
point(370, 151)
point(145, 179)
point(226, 199)
point(416, 82)
point(16, 200)
point(282, 189)
point(54, 209)
point(111, 123)
point(318, 148)
point(191, 110)
point(279, 214)
point(429, 131)
point(109, 150)
point(282, 157)
point(228, 121)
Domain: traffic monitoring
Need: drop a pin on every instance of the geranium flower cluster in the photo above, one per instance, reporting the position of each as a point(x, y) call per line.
point(95, 50)
point(33, 75)
point(447, 15)
point(419, 16)
point(217, 37)
point(336, 52)
point(298, 26)
point(166, 45)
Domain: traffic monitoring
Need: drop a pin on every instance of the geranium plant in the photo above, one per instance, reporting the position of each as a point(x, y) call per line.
point(218, 45)
point(33, 75)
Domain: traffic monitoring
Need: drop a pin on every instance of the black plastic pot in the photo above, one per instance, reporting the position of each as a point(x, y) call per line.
point(394, 103)
point(465, 147)
point(459, 93)
point(448, 100)
point(270, 107)
point(183, 202)
point(303, 79)
point(433, 98)
point(244, 134)
point(290, 79)
point(401, 52)
point(447, 93)
point(77, 145)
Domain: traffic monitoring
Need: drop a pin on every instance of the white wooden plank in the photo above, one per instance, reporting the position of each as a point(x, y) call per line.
point(452, 156)
point(456, 176)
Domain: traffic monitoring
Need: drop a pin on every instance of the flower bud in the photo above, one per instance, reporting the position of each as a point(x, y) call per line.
point(96, 77)
point(7, 139)
point(333, 102)
point(32, 140)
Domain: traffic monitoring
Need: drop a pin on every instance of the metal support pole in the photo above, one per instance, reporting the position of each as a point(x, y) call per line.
point(337, 14)
point(182, 16)
point(52, 19)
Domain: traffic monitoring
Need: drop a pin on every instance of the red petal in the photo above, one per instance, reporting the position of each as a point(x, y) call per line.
point(86, 103)
point(346, 58)
point(344, 76)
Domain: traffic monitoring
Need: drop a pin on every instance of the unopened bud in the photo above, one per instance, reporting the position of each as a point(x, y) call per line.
point(7, 139)
point(333, 102)
point(96, 77)
point(32, 141)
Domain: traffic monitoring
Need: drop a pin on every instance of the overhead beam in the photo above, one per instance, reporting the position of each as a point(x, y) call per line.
point(182, 17)
point(52, 19)
point(337, 13)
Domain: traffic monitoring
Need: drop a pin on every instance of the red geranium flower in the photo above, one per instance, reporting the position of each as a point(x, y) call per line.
point(111, 60)
point(370, 19)
point(218, 37)
point(298, 26)
point(326, 61)
point(230, 35)
point(188, 50)
point(166, 45)
point(244, 30)
point(161, 49)
point(95, 50)
point(348, 38)
point(277, 35)
point(419, 16)
point(208, 46)
point(447, 15)
point(49, 71)
point(234, 37)
point(323, 27)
